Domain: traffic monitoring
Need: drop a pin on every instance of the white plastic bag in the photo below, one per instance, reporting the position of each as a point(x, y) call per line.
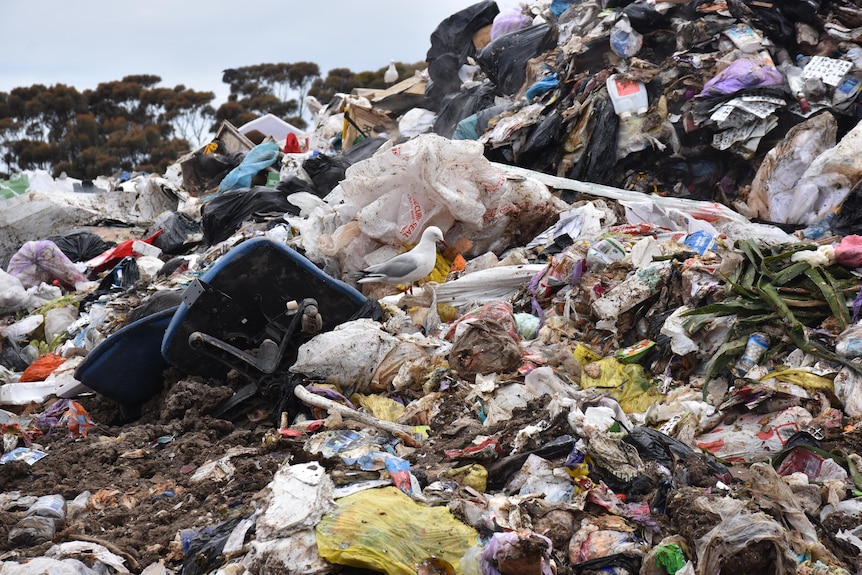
point(416, 121)
point(347, 356)
point(822, 187)
point(848, 389)
point(13, 296)
point(425, 181)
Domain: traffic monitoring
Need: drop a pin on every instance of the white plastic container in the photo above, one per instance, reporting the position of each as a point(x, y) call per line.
point(628, 97)
point(22, 393)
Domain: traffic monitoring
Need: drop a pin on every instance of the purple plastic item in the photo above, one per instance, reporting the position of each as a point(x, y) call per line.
point(742, 74)
point(509, 21)
point(42, 261)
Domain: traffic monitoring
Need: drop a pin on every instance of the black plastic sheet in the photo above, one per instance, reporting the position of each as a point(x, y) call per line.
point(82, 245)
point(224, 215)
point(504, 60)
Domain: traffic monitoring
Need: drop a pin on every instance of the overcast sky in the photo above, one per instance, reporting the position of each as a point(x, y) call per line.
point(81, 43)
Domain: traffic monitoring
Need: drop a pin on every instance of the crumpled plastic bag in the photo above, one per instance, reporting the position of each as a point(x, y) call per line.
point(41, 261)
point(397, 365)
point(258, 158)
point(295, 499)
point(738, 529)
point(849, 251)
point(753, 436)
point(484, 347)
point(429, 180)
point(826, 181)
point(519, 551)
point(508, 21)
point(385, 531)
point(40, 369)
point(774, 184)
point(13, 296)
point(347, 356)
point(848, 389)
point(627, 383)
point(426, 181)
point(742, 74)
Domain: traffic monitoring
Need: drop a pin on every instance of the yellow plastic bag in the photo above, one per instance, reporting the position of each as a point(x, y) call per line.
point(585, 355)
point(386, 531)
point(627, 383)
point(380, 407)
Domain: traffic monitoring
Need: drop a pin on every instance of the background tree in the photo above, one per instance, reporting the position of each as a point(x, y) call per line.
point(190, 114)
point(337, 81)
point(135, 124)
point(265, 89)
point(300, 76)
point(131, 124)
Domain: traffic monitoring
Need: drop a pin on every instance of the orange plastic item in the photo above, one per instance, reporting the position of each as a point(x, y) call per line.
point(40, 369)
point(79, 421)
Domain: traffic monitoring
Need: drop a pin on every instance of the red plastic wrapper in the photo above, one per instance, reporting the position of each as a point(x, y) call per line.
point(122, 250)
point(488, 449)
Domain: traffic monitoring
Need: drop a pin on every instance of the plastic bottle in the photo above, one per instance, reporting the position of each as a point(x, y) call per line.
point(797, 87)
point(757, 345)
point(795, 81)
point(744, 37)
point(628, 97)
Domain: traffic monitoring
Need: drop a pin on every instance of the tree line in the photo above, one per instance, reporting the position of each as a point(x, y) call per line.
point(136, 125)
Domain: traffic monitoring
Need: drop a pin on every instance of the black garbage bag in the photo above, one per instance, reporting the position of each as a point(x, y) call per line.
point(293, 184)
point(645, 18)
point(777, 21)
point(444, 80)
point(80, 246)
point(456, 107)
point(203, 172)
point(540, 148)
point(204, 548)
point(620, 563)
point(597, 163)
point(504, 60)
point(12, 356)
point(224, 215)
point(452, 44)
point(122, 277)
point(364, 149)
point(180, 232)
point(455, 33)
point(654, 445)
point(848, 220)
point(325, 171)
point(159, 301)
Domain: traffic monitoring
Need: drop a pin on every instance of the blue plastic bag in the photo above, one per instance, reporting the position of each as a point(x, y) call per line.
point(538, 88)
point(258, 158)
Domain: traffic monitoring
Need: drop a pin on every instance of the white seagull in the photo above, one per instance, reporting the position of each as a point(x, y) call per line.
point(391, 73)
point(410, 266)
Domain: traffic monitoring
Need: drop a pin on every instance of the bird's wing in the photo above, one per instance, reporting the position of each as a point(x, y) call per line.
point(397, 267)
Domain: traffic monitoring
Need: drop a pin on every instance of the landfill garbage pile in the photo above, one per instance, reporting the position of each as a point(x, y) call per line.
point(591, 378)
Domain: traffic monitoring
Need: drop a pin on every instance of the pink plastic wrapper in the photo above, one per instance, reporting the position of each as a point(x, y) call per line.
point(849, 252)
point(43, 262)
